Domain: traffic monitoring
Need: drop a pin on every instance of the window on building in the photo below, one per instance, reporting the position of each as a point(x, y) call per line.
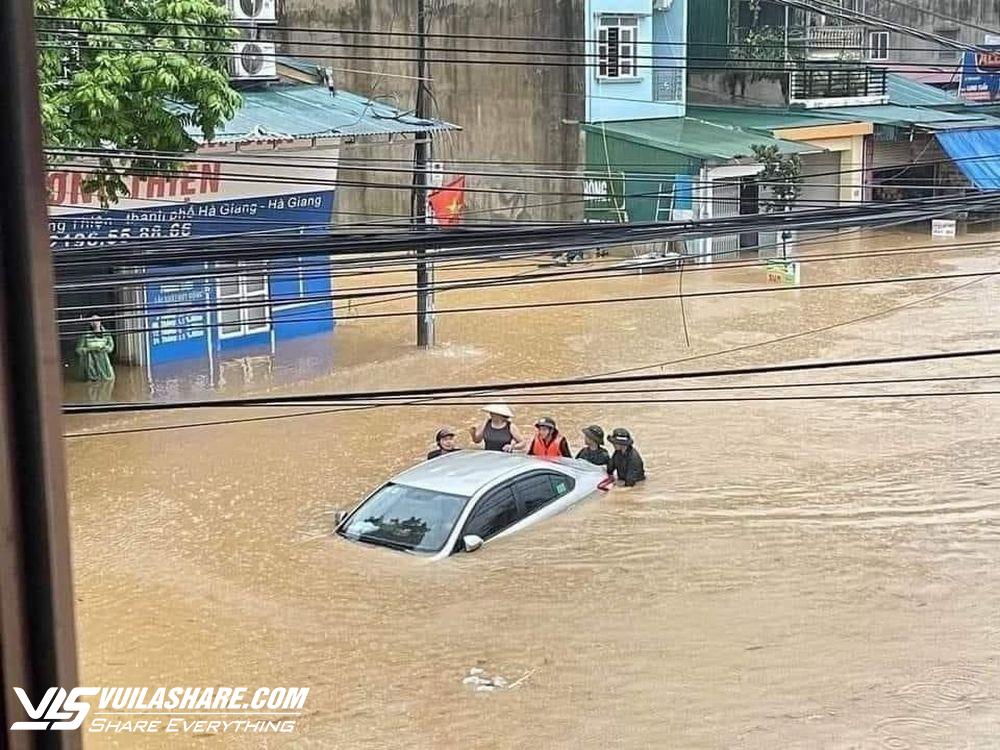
point(853, 6)
point(243, 302)
point(947, 54)
point(616, 47)
point(878, 45)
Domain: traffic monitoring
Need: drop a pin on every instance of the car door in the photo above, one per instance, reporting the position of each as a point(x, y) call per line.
point(495, 511)
point(539, 490)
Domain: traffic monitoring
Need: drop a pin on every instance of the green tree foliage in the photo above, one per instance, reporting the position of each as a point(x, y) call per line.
point(129, 75)
point(782, 174)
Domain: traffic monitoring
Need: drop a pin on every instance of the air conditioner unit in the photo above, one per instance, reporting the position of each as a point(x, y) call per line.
point(252, 11)
point(253, 61)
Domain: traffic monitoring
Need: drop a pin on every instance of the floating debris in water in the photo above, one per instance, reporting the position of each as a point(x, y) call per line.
point(478, 681)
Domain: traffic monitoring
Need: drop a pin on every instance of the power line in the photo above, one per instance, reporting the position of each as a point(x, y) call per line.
point(347, 397)
point(142, 310)
point(381, 33)
point(682, 360)
point(308, 43)
point(260, 248)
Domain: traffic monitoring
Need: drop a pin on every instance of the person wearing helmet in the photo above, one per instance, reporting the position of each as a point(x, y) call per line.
point(594, 452)
point(626, 463)
point(445, 440)
point(548, 443)
point(499, 432)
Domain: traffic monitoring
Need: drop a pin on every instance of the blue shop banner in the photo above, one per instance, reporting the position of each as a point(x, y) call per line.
point(177, 313)
point(297, 213)
point(981, 74)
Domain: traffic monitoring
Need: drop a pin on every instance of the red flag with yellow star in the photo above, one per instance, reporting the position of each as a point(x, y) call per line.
point(448, 202)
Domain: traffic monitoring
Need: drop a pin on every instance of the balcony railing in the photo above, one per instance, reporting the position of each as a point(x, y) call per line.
point(827, 42)
point(833, 87)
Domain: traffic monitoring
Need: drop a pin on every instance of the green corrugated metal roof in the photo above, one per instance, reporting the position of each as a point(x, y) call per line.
point(763, 118)
point(695, 138)
point(922, 117)
point(288, 112)
point(906, 92)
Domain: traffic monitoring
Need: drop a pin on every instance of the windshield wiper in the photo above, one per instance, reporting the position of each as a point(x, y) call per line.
point(368, 539)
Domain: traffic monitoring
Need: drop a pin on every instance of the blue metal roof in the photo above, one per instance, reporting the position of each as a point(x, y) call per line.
point(975, 153)
point(307, 111)
point(906, 92)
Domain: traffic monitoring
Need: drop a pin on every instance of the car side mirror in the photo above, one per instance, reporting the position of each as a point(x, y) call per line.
point(471, 542)
point(338, 518)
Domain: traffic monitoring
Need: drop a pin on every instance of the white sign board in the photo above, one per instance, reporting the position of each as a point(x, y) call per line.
point(944, 228)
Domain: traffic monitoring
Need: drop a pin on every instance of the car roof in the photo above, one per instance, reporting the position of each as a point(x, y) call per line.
point(467, 472)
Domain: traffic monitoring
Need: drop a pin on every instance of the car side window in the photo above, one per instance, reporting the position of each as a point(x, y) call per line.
point(494, 513)
point(538, 490)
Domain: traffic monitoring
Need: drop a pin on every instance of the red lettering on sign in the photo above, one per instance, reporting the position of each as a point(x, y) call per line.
point(66, 188)
point(77, 193)
point(56, 184)
point(156, 187)
point(210, 172)
point(988, 60)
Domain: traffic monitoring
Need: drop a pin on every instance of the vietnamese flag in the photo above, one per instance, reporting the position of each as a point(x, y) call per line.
point(447, 202)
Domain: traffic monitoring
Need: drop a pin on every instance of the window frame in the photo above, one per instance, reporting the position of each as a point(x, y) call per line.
point(504, 487)
point(552, 475)
point(607, 23)
point(246, 325)
point(948, 54)
point(882, 49)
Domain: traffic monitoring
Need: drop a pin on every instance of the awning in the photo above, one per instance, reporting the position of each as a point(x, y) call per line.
point(306, 111)
point(696, 138)
point(976, 153)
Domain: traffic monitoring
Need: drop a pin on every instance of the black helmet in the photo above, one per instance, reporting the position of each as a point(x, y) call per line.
point(546, 422)
point(621, 436)
point(595, 433)
point(443, 433)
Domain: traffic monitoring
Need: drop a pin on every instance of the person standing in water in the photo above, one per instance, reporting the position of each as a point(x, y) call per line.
point(499, 432)
point(626, 462)
point(594, 452)
point(93, 353)
point(548, 443)
point(445, 440)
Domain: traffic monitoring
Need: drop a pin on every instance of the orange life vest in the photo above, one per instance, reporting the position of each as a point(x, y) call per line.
point(552, 449)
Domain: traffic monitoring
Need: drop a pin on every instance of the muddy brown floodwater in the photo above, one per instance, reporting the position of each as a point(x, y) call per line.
point(794, 574)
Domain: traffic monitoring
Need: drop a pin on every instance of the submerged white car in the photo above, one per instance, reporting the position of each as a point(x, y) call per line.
point(462, 500)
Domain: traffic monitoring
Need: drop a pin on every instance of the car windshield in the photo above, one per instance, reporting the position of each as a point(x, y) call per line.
point(406, 518)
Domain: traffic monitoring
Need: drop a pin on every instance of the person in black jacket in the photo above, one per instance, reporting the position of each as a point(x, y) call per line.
point(445, 440)
point(595, 452)
point(626, 463)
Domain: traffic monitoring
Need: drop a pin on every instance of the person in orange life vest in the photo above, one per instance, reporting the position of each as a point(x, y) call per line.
point(548, 443)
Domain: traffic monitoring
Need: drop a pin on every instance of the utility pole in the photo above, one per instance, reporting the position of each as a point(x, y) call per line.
point(37, 643)
point(418, 202)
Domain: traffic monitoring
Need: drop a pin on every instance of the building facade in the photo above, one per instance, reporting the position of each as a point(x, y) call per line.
point(519, 113)
point(272, 170)
point(817, 85)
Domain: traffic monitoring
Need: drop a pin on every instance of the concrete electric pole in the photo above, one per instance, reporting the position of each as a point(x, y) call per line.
point(421, 160)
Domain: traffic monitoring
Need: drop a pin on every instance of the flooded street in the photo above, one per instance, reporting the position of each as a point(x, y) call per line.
point(793, 574)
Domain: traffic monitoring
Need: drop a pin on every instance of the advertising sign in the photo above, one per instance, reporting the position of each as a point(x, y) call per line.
point(604, 198)
point(306, 212)
point(981, 74)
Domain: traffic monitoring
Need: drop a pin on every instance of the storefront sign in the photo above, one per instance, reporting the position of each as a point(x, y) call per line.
point(603, 198)
point(785, 272)
point(944, 228)
point(981, 74)
point(305, 212)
